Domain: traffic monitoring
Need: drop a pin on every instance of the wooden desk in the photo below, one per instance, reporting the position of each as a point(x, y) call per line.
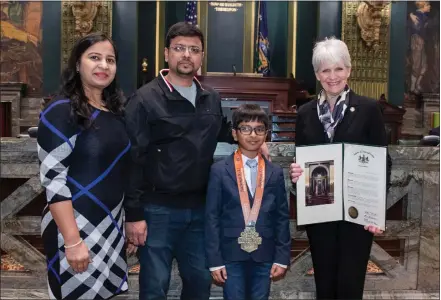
point(283, 93)
point(280, 91)
point(393, 119)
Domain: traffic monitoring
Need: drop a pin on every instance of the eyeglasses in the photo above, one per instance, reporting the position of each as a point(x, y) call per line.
point(193, 50)
point(248, 130)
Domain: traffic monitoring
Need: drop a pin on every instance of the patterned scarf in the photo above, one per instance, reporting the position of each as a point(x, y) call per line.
point(328, 119)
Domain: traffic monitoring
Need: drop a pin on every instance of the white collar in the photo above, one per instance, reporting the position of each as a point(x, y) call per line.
point(169, 85)
point(245, 159)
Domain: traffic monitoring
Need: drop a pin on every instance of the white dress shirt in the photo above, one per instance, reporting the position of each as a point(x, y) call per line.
point(247, 171)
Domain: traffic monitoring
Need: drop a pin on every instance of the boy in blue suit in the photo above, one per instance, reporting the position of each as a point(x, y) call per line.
point(247, 219)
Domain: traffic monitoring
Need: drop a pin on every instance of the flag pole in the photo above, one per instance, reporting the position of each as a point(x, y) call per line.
point(256, 42)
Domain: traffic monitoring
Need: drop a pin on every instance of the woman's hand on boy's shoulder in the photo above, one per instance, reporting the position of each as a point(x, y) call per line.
point(265, 151)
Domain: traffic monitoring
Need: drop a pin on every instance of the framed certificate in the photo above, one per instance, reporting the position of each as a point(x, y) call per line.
point(342, 182)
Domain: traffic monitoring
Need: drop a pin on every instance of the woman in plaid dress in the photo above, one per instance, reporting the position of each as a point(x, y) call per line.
point(83, 150)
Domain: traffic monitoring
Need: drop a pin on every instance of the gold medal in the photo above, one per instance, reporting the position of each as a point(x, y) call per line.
point(249, 239)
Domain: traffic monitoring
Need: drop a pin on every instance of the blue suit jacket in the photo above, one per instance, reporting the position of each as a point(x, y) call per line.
point(224, 218)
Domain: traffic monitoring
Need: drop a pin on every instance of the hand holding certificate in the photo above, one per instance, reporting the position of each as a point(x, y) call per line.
point(342, 182)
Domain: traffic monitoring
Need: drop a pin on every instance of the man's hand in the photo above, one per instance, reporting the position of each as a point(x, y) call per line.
point(295, 171)
point(136, 232)
point(277, 272)
point(131, 249)
point(265, 151)
point(219, 276)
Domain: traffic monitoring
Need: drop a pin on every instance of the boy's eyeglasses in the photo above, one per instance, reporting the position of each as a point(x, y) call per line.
point(247, 130)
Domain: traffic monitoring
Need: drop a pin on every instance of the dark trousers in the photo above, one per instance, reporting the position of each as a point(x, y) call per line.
point(247, 280)
point(174, 233)
point(340, 254)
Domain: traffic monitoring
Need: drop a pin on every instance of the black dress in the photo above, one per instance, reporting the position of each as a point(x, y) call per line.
point(87, 167)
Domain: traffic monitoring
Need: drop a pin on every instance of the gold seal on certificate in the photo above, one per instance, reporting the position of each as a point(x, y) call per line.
point(353, 212)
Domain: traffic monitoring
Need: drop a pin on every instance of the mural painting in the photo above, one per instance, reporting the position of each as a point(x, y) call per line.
point(422, 63)
point(21, 50)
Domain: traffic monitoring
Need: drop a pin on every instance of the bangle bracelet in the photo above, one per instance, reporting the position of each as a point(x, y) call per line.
point(74, 245)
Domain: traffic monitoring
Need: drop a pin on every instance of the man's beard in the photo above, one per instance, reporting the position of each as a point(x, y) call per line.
point(183, 72)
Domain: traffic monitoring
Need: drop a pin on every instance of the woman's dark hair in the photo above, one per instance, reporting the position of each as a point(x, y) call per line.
point(183, 29)
point(249, 113)
point(72, 87)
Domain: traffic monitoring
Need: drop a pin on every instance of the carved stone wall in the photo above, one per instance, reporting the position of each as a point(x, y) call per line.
point(369, 51)
point(79, 18)
point(30, 109)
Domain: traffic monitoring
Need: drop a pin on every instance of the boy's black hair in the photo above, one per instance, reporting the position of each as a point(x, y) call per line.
point(183, 29)
point(249, 113)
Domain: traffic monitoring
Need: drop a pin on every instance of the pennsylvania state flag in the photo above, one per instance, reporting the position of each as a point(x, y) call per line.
point(263, 45)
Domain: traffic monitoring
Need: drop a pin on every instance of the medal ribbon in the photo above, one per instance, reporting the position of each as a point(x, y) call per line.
point(249, 214)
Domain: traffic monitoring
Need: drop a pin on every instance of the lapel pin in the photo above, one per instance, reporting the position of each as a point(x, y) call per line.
point(352, 109)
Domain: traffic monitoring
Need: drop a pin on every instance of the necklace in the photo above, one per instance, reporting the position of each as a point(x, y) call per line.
point(98, 106)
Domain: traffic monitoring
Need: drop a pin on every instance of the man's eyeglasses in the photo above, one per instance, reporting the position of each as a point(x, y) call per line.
point(193, 50)
point(248, 130)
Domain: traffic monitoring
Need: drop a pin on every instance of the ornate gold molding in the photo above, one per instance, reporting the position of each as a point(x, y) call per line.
point(369, 20)
point(249, 41)
point(79, 18)
point(84, 13)
point(203, 25)
point(160, 36)
point(292, 38)
point(370, 67)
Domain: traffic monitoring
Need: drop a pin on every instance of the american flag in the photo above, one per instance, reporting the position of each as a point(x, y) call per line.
point(191, 13)
point(191, 17)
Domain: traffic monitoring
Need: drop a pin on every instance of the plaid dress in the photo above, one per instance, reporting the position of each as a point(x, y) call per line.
point(87, 167)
